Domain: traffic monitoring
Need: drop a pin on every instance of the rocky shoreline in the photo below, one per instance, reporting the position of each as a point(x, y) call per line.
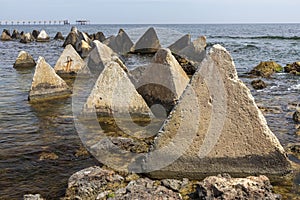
point(104, 56)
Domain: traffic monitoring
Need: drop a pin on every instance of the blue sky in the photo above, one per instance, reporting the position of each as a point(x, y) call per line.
point(154, 11)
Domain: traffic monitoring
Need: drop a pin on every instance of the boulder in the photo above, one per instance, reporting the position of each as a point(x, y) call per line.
point(59, 36)
point(46, 83)
point(35, 33)
point(99, 36)
point(218, 187)
point(163, 81)
point(195, 51)
point(98, 183)
point(148, 43)
point(5, 36)
point(26, 38)
point(114, 93)
point(296, 116)
point(24, 59)
point(258, 84)
point(69, 61)
point(180, 44)
point(16, 35)
point(33, 197)
point(43, 37)
point(121, 44)
point(293, 68)
point(266, 69)
point(216, 127)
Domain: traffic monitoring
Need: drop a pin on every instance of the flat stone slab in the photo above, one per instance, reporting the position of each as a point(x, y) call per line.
point(216, 128)
point(69, 61)
point(46, 83)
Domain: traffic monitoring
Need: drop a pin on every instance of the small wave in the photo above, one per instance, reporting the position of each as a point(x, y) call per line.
point(257, 37)
point(295, 87)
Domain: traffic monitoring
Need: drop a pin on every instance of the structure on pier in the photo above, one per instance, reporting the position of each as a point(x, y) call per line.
point(82, 22)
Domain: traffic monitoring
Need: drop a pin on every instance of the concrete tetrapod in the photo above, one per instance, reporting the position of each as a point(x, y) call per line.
point(224, 131)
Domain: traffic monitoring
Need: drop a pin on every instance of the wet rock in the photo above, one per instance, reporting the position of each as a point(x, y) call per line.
point(218, 187)
point(33, 197)
point(48, 156)
point(293, 68)
point(46, 83)
point(148, 43)
point(26, 38)
point(129, 144)
point(81, 152)
point(210, 138)
point(114, 94)
point(99, 36)
point(35, 34)
point(145, 188)
point(180, 44)
point(59, 36)
point(43, 37)
point(258, 84)
point(266, 69)
point(16, 35)
point(296, 116)
point(195, 51)
point(189, 67)
point(120, 44)
point(163, 81)
point(24, 59)
point(69, 61)
point(91, 182)
point(5, 36)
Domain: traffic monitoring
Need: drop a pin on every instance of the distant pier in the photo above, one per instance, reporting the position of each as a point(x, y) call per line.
point(34, 22)
point(82, 22)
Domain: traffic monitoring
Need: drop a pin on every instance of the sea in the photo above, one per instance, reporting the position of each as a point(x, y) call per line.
point(29, 131)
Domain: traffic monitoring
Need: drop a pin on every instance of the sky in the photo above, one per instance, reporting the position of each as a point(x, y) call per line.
point(154, 11)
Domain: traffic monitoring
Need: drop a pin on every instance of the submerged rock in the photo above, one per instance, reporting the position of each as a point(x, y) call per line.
point(46, 83)
point(121, 44)
point(69, 61)
point(5, 36)
point(218, 187)
point(266, 69)
point(148, 43)
point(43, 37)
point(180, 44)
point(59, 36)
point(293, 68)
point(24, 59)
point(163, 81)
point(114, 94)
point(258, 84)
point(221, 130)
